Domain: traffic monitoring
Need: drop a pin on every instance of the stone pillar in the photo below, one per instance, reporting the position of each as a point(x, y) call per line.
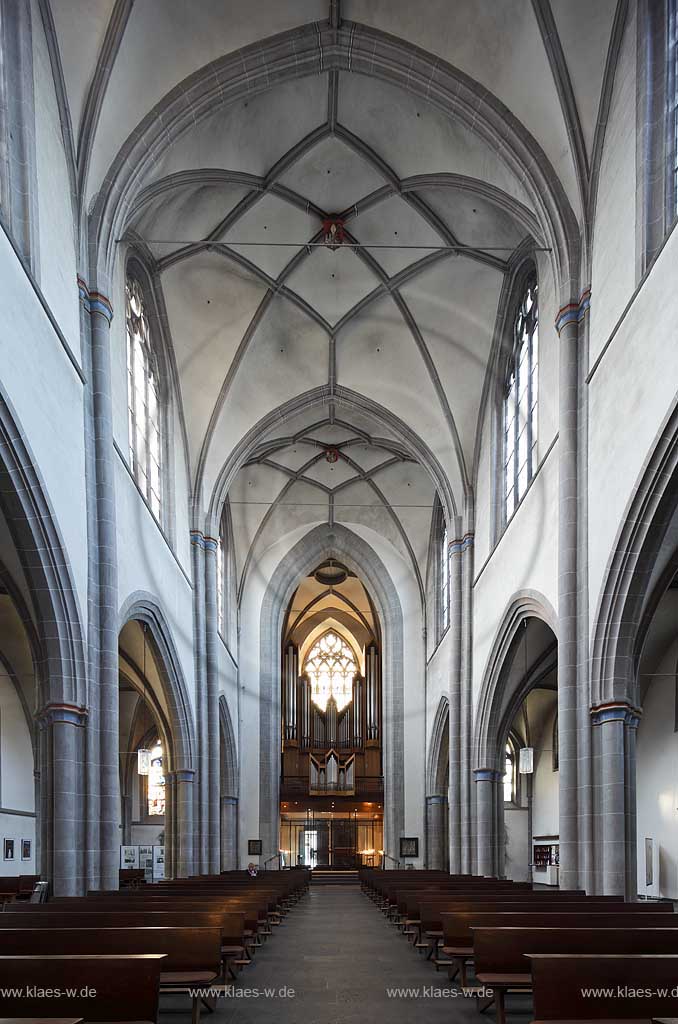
point(212, 707)
point(229, 833)
point(455, 797)
point(435, 832)
point(617, 723)
point(468, 846)
point(567, 325)
point(63, 729)
point(170, 831)
point(183, 818)
point(487, 787)
point(201, 840)
point(103, 826)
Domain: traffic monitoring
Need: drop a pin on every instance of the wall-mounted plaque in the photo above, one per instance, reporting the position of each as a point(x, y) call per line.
point(255, 847)
point(409, 847)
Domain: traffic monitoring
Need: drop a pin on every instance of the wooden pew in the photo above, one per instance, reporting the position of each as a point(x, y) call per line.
point(231, 926)
point(430, 914)
point(500, 954)
point(193, 957)
point(634, 983)
point(458, 925)
point(126, 987)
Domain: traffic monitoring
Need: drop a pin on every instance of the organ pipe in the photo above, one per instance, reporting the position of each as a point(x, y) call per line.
point(291, 676)
point(372, 692)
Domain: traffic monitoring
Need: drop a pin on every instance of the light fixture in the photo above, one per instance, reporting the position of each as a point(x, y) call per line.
point(143, 754)
point(526, 760)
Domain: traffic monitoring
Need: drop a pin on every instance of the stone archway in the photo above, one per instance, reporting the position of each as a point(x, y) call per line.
point(229, 788)
point(437, 787)
point(143, 608)
point(326, 542)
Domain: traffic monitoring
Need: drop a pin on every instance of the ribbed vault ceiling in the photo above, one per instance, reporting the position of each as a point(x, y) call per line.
point(380, 348)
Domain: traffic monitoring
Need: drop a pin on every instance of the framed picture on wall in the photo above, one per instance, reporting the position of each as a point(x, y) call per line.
point(26, 845)
point(8, 848)
point(409, 847)
point(254, 847)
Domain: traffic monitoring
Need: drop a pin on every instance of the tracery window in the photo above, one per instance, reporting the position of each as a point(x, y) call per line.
point(331, 668)
point(156, 782)
point(509, 775)
point(220, 581)
point(444, 575)
point(143, 399)
point(520, 401)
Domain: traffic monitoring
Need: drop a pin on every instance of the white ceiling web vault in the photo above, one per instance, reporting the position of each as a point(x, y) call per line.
point(347, 385)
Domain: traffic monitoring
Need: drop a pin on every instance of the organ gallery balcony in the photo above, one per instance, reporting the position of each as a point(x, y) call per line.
point(368, 788)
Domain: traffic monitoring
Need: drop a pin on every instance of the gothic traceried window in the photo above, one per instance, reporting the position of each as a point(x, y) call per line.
point(156, 782)
point(520, 401)
point(220, 581)
point(444, 580)
point(143, 399)
point(331, 668)
point(509, 775)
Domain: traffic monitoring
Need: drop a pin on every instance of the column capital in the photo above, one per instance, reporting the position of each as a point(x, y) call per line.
point(73, 714)
point(435, 798)
point(460, 544)
point(575, 311)
point(487, 774)
point(616, 711)
point(204, 541)
point(183, 774)
point(94, 302)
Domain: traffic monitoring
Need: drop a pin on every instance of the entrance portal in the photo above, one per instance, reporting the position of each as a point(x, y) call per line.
point(331, 841)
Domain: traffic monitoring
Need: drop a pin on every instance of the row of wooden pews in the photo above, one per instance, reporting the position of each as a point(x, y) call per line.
point(582, 957)
point(181, 937)
point(17, 887)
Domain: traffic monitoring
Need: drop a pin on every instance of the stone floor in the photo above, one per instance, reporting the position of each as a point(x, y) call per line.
point(340, 956)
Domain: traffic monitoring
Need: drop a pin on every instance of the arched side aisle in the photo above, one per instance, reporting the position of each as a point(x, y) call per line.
point(640, 570)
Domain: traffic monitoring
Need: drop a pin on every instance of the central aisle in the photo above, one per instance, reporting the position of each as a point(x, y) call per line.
point(340, 955)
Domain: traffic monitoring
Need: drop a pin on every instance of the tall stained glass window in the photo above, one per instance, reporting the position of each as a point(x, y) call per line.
point(156, 782)
point(331, 667)
point(143, 400)
point(521, 394)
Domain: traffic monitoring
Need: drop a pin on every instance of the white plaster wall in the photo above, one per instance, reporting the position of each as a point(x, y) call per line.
point(47, 395)
point(657, 780)
point(437, 684)
point(516, 844)
point(118, 340)
point(613, 276)
point(547, 422)
point(57, 256)
point(17, 792)
point(545, 782)
point(630, 395)
point(526, 558)
point(146, 563)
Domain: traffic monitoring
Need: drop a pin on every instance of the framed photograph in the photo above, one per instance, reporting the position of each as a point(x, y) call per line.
point(9, 849)
point(254, 847)
point(26, 846)
point(409, 847)
point(129, 857)
point(158, 863)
